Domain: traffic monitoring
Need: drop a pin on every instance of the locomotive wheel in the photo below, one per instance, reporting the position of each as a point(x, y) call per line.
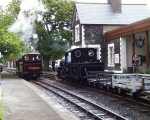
point(114, 90)
point(135, 95)
point(107, 88)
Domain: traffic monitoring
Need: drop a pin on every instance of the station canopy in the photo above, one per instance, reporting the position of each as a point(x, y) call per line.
point(140, 26)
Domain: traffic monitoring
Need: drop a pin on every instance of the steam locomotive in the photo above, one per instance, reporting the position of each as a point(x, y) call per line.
point(80, 64)
point(29, 66)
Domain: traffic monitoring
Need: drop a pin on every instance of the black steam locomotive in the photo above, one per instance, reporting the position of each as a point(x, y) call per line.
point(80, 64)
point(29, 66)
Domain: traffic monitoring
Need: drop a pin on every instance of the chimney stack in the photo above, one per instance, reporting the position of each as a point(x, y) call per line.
point(116, 5)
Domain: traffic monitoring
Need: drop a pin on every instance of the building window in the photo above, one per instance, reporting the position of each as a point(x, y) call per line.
point(77, 33)
point(111, 55)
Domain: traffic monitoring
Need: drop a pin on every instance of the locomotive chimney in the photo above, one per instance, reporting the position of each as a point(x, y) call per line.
point(115, 5)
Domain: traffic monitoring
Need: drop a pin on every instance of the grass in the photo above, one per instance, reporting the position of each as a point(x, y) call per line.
point(1, 111)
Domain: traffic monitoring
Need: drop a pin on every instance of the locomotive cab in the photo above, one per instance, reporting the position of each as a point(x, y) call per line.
point(78, 62)
point(29, 66)
point(81, 55)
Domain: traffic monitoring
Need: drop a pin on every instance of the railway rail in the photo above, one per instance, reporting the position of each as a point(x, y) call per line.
point(90, 108)
point(103, 90)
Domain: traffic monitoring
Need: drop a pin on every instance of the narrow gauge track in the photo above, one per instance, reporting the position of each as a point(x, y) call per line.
point(125, 97)
point(91, 109)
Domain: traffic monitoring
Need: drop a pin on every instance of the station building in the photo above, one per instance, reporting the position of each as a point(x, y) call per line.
point(128, 48)
point(92, 20)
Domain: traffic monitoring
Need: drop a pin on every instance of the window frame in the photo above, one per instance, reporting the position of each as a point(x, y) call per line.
point(77, 33)
point(111, 55)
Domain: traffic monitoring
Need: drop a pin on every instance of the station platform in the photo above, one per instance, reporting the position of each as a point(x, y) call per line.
point(24, 101)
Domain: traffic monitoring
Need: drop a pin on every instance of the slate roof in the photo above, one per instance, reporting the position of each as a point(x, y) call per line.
point(102, 13)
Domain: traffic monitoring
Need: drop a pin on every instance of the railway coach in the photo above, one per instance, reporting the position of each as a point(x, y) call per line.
point(29, 66)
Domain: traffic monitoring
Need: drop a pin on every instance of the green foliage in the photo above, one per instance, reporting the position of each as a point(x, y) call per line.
point(55, 32)
point(50, 45)
point(13, 8)
point(10, 44)
point(59, 17)
point(5, 21)
point(1, 109)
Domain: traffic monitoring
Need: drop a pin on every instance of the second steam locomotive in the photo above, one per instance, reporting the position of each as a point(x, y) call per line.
point(80, 63)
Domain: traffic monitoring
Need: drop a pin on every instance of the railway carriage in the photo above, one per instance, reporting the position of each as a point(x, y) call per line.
point(29, 66)
point(80, 64)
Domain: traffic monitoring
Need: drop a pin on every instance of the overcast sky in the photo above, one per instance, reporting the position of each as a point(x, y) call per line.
point(4, 2)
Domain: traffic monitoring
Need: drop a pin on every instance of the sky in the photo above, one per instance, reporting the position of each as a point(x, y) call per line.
point(4, 2)
point(27, 4)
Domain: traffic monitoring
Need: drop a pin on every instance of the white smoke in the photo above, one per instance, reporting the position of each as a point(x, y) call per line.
point(25, 21)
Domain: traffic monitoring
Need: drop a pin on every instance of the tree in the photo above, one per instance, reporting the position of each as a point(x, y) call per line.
point(54, 31)
point(13, 8)
point(11, 45)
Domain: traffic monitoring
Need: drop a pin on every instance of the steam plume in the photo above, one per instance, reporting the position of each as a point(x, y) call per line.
point(27, 15)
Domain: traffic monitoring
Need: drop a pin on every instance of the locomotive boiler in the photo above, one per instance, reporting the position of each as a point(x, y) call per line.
point(80, 64)
point(29, 66)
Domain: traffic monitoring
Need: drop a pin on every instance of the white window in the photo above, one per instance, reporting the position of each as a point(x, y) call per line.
point(111, 55)
point(99, 54)
point(98, 50)
point(77, 17)
point(69, 58)
point(77, 33)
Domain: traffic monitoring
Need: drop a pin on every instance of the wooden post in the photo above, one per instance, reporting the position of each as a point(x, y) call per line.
point(146, 47)
point(133, 50)
point(133, 43)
